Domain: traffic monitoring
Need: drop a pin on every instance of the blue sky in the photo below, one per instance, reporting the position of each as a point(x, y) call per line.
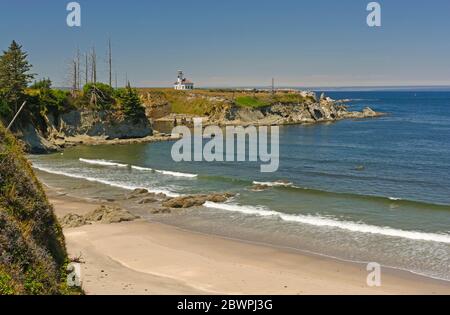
point(240, 42)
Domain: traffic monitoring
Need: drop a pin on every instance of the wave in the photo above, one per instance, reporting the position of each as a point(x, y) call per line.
point(390, 200)
point(103, 163)
point(177, 174)
point(107, 182)
point(138, 168)
point(387, 200)
point(333, 223)
point(170, 173)
point(274, 184)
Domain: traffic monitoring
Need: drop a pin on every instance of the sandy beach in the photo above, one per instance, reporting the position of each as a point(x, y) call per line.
point(144, 257)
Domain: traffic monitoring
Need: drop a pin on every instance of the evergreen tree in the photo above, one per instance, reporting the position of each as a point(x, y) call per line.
point(131, 103)
point(44, 84)
point(14, 75)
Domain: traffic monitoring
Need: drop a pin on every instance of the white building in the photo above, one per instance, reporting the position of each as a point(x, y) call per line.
point(183, 83)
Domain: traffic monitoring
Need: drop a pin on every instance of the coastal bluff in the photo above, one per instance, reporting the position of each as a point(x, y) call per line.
point(170, 108)
point(79, 126)
point(246, 107)
point(33, 257)
point(286, 114)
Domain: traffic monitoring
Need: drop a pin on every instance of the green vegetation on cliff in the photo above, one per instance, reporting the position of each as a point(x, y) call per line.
point(205, 102)
point(41, 99)
point(250, 101)
point(33, 256)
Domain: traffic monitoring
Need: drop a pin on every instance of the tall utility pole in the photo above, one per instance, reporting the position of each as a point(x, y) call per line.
point(110, 62)
point(273, 86)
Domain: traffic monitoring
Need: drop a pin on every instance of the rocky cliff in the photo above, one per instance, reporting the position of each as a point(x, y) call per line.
point(245, 107)
point(283, 114)
point(58, 132)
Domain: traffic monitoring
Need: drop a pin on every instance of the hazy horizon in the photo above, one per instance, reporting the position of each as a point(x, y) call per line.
point(319, 43)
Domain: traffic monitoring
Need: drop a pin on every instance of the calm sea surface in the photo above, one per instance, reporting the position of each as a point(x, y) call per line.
point(361, 190)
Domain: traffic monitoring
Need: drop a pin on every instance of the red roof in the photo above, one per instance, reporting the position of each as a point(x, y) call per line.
point(185, 81)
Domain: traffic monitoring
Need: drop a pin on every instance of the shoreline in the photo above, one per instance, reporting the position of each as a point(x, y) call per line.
point(217, 265)
point(78, 140)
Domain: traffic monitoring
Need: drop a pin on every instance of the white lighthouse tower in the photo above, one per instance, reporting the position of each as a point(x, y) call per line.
point(183, 83)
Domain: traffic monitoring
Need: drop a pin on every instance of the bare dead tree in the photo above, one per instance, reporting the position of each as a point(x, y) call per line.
point(86, 69)
point(93, 66)
point(78, 60)
point(110, 61)
point(74, 76)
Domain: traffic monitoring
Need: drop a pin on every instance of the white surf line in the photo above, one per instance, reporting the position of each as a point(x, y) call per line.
point(326, 222)
point(106, 182)
point(102, 163)
point(138, 168)
point(170, 173)
point(273, 184)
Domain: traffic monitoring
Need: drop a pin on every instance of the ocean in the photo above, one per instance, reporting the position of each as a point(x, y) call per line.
point(374, 190)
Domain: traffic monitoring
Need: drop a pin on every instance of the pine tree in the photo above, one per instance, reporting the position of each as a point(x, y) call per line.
point(131, 104)
point(14, 74)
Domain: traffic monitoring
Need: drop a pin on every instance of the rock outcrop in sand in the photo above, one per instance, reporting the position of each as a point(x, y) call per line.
point(104, 214)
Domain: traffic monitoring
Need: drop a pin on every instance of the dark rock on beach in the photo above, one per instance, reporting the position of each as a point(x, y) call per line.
point(195, 200)
point(110, 214)
point(104, 214)
point(72, 220)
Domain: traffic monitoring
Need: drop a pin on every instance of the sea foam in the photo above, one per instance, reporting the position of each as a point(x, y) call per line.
point(138, 168)
point(103, 163)
point(274, 184)
point(106, 182)
point(317, 220)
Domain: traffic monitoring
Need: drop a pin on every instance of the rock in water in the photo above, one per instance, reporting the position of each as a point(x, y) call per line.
point(195, 200)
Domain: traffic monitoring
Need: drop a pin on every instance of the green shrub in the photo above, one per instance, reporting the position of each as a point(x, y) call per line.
point(99, 95)
point(32, 246)
point(250, 101)
point(44, 84)
point(130, 103)
point(6, 284)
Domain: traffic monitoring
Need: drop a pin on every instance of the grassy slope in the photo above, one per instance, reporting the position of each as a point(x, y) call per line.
point(205, 102)
point(32, 249)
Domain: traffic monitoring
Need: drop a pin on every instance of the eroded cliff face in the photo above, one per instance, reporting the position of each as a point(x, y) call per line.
point(94, 124)
point(282, 114)
point(60, 131)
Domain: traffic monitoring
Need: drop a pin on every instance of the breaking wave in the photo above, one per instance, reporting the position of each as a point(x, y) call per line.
point(138, 168)
point(107, 182)
point(317, 220)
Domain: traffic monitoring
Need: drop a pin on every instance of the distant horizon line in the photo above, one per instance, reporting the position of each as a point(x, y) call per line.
point(312, 88)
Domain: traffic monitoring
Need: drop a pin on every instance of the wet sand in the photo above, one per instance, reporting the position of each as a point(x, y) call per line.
point(143, 257)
